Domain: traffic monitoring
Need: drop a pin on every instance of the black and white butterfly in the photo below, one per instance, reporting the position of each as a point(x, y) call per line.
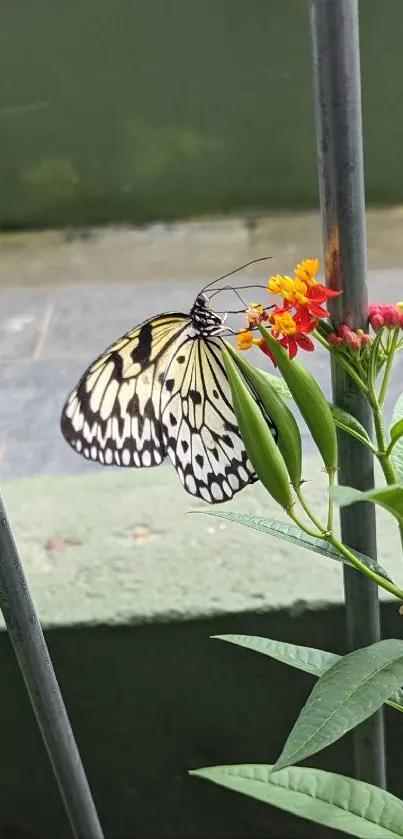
point(162, 390)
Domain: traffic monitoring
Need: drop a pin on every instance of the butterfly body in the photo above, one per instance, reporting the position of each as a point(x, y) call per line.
point(161, 390)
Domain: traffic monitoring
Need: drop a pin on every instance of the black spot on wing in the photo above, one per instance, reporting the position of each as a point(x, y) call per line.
point(195, 396)
point(142, 351)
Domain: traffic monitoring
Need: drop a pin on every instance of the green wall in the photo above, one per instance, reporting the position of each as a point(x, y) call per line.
point(148, 702)
point(135, 110)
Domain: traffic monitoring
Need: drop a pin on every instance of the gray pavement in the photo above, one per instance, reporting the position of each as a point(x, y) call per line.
point(49, 334)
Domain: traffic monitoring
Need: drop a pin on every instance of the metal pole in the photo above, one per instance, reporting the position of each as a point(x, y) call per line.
point(337, 90)
point(36, 667)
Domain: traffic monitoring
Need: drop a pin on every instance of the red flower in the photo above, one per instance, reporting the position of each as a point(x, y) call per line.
point(292, 342)
point(293, 329)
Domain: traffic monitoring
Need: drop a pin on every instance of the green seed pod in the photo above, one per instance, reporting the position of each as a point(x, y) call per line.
point(289, 438)
point(310, 400)
point(259, 443)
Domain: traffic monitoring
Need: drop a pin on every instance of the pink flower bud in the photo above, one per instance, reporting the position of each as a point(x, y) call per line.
point(366, 338)
point(376, 320)
point(346, 335)
point(355, 342)
point(334, 339)
point(391, 316)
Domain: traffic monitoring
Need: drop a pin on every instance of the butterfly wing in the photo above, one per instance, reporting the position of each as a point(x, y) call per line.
point(113, 415)
point(200, 431)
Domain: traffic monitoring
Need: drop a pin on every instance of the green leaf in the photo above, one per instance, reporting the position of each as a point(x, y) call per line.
point(293, 534)
point(396, 432)
point(278, 383)
point(354, 807)
point(346, 422)
point(349, 692)
point(308, 659)
point(389, 497)
point(397, 451)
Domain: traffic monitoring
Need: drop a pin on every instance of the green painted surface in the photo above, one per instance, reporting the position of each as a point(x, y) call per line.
point(138, 111)
point(131, 588)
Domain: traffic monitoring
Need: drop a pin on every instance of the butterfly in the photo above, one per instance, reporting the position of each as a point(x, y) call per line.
point(162, 391)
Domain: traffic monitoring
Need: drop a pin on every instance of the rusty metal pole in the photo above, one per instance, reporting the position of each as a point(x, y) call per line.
point(334, 33)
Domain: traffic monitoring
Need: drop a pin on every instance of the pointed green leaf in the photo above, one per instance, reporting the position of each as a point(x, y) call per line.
point(308, 659)
point(354, 807)
point(278, 383)
point(397, 451)
point(350, 691)
point(293, 534)
point(389, 497)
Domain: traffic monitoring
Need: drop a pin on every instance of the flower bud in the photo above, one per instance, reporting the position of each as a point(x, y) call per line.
point(289, 437)
point(376, 320)
point(258, 440)
point(391, 316)
point(334, 340)
point(310, 400)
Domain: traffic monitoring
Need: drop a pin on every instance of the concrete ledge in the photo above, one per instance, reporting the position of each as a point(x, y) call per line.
point(173, 251)
point(121, 546)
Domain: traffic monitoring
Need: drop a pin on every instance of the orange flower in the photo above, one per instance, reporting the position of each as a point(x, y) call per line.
point(302, 298)
point(293, 330)
point(244, 339)
point(303, 291)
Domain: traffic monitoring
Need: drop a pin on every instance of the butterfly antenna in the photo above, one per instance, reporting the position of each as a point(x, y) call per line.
point(229, 288)
point(235, 271)
point(236, 288)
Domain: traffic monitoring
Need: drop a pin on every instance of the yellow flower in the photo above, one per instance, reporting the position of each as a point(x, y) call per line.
point(283, 323)
point(307, 270)
point(292, 290)
point(244, 339)
point(399, 306)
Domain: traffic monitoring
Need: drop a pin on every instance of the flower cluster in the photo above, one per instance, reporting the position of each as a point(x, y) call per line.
point(344, 336)
point(302, 306)
point(389, 316)
point(380, 316)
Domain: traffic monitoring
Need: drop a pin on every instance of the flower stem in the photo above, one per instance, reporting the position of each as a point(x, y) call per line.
point(353, 560)
point(388, 367)
point(302, 526)
point(383, 454)
point(309, 512)
point(330, 508)
point(342, 361)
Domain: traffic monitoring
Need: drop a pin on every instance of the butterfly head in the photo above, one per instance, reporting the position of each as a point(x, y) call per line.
point(204, 320)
